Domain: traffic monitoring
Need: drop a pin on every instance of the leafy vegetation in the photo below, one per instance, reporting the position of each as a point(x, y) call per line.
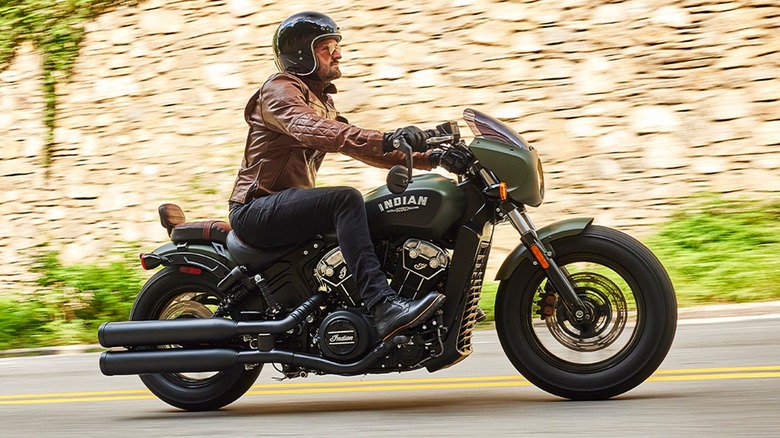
point(716, 251)
point(72, 303)
point(56, 29)
point(722, 251)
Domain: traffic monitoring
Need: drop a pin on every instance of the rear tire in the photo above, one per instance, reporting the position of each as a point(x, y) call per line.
point(171, 294)
point(623, 283)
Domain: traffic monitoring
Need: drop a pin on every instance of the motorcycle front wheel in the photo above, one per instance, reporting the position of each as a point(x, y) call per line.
point(171, 294)
point(634, 317)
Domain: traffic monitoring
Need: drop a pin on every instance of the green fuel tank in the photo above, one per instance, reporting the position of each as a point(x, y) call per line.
point(427, 209)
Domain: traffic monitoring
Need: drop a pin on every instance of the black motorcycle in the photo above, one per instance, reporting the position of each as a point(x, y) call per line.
point(582, 311)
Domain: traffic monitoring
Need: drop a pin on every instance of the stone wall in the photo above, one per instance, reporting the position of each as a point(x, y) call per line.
point(633, 105)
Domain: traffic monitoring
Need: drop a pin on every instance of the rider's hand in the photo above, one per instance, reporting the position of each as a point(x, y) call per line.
point(452, 159)
point(413, 135)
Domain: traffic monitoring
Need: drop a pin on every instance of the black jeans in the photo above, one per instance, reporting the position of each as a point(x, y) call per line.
point(294, 216)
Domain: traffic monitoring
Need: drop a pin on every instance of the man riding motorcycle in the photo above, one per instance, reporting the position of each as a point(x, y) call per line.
point(293, 123)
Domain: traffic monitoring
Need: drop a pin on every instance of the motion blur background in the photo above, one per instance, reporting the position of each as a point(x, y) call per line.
point(633, 105)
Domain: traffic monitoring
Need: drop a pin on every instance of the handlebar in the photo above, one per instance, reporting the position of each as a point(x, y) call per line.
point(437, 140)
point(446, 132)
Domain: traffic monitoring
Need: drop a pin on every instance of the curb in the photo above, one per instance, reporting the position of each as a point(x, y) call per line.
point(697, 313)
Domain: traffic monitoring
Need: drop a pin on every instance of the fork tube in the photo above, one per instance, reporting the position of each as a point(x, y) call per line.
point(518, 217)
point(520, 220)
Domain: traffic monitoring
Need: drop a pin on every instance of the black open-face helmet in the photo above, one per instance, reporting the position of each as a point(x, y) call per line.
point(295, 38)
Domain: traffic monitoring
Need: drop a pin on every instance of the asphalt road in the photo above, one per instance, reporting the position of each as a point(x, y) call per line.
point(722, 378)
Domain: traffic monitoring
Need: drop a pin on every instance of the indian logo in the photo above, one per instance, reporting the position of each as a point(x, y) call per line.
point(402, 204)
point(341, 338)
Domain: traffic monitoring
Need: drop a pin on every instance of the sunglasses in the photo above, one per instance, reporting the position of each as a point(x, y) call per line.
point(331, 47)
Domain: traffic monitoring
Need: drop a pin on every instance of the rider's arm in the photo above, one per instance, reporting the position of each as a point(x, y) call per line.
point(390, 159)
point(283, 108)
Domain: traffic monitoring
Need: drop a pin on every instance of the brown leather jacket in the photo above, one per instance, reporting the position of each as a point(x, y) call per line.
point(292, 125)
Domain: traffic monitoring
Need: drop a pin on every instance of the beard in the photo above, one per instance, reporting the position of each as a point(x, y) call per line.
point(328, 72)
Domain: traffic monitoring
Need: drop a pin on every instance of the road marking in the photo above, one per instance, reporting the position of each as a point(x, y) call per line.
point(385, 385)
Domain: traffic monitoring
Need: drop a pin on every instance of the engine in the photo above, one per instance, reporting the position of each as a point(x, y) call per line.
point(334, 276)
point(347, 333)
point(417, 267)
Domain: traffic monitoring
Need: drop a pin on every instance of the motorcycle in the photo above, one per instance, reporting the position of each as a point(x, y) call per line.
point(583, 312)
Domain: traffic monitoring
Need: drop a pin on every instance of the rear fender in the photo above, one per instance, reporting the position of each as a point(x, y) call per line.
point(212, 258)
point(547, 234)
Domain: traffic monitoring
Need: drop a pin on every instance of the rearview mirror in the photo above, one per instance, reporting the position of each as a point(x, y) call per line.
point(397, 179)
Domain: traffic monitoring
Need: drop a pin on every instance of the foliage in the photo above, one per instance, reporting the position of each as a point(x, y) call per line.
point(722, 251)
point(56, 29)
point(73, 302)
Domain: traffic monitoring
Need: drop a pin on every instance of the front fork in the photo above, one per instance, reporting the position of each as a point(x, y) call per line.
point(544, 257)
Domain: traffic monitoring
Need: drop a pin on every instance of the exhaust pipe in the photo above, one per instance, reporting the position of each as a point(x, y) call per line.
point(197, 331)
point(117, 363)
point(114, 363)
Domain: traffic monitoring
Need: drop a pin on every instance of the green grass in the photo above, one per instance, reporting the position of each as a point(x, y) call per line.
point(722, 251)
point(70, 303)
point(716, 251)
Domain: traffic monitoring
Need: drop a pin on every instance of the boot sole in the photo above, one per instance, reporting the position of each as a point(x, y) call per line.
point(425, 314)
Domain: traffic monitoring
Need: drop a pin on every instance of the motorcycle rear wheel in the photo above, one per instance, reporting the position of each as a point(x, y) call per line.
point(627, 289)
point(172, 294)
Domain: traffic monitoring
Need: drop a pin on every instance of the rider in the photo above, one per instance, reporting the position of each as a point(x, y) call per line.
point(292, 125)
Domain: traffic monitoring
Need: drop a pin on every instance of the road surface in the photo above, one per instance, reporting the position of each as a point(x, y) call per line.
point(722, 378)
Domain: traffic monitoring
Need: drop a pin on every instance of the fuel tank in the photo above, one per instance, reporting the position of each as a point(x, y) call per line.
point(428, 208)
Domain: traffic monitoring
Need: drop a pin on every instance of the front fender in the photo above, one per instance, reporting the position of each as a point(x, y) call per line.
point(211, 258)
point(547, 234)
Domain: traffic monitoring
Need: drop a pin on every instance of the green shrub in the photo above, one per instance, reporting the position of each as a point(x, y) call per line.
point(71, 303)
point(722, 251)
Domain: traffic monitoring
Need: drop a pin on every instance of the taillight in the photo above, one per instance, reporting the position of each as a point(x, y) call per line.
point(150, 261)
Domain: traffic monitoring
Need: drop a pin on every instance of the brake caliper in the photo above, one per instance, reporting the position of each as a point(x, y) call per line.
point(546, 303)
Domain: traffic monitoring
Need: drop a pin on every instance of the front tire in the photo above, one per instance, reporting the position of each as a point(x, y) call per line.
point(627, 289)
point(172, 294)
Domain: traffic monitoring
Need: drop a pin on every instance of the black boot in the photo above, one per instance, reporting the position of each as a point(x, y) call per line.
point(396, 312)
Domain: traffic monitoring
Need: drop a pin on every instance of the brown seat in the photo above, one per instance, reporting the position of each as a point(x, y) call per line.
point(172, 219)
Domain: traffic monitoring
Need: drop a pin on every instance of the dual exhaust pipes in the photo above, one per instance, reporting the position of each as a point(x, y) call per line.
point(154, 333)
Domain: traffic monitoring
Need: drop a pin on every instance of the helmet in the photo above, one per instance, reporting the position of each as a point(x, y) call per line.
point(295, 38)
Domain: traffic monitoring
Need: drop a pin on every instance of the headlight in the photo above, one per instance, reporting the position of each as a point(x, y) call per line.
point(540, 172)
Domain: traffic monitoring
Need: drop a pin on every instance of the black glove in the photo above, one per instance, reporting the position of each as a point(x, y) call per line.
point(452, 159)
point(413, 135)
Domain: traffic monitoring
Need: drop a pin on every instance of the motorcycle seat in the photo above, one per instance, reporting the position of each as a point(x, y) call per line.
point(172, 218)
point(255, 259)
point(205, 231)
